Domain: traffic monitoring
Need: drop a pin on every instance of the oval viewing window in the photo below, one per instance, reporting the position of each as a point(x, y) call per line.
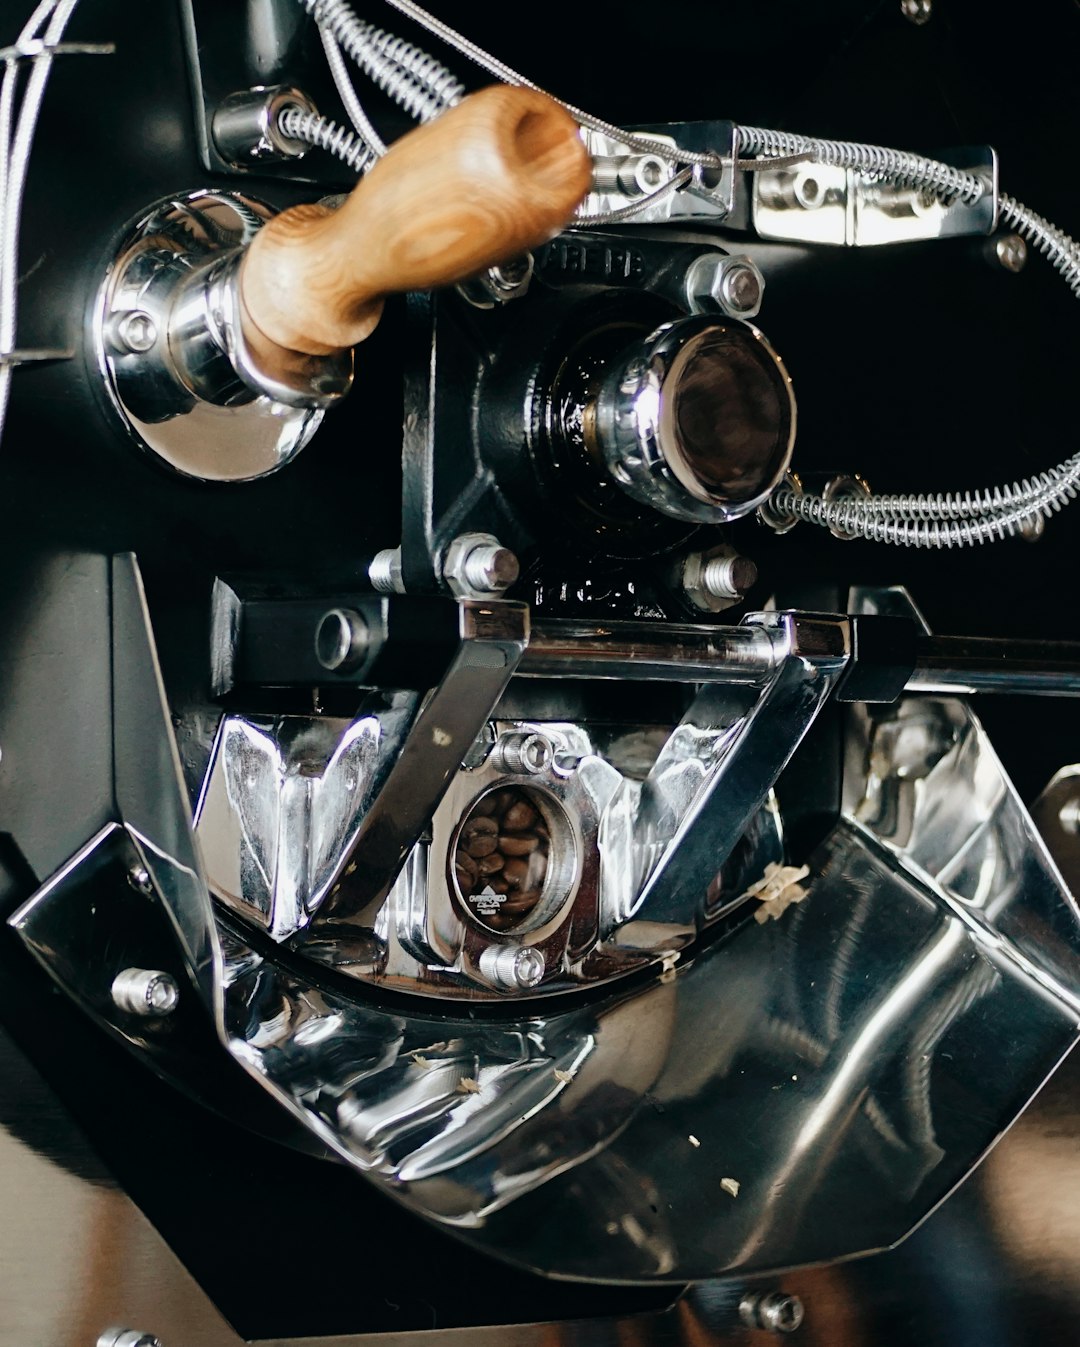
point(514, 860)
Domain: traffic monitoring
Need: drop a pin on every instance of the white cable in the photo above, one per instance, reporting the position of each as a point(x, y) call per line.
point(15, 160)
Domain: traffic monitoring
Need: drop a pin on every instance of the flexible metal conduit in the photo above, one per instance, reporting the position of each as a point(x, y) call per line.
point(928, 521)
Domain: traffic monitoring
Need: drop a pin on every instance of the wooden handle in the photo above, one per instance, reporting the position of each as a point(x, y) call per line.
point(498, 174)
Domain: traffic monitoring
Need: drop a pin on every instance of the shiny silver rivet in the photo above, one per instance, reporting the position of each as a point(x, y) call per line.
point(145, 991)
point(916, 11)
point(135, 331)
point(774, 1311)
point(525, 753)
point(341, 640)
point(127, 1337)
point(1011, 252)
point(512, 967)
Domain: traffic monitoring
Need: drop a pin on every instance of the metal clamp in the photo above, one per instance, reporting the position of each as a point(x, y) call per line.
point(822, 203)
point(689, 821)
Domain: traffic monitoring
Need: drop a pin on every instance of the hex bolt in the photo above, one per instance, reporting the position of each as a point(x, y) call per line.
point(148, 992)
point(716, 579)
point(385, 571)
point(732, 284)
point(512, 968)
point(341, 640)
point(134, 331)
point(477, 565)
point(774, 1311)
point(500, 284)
point(491, 569)
point(525, 753)
point(1011, 252)
point(917, 12)
point(127, 1337)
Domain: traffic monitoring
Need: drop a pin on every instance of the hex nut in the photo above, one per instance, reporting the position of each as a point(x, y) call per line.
point(478, 566)
point(728, 283)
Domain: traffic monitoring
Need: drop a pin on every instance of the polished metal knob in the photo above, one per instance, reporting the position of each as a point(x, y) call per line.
point(698, 421)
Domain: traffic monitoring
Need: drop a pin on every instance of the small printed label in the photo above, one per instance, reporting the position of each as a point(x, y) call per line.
point(487, 901)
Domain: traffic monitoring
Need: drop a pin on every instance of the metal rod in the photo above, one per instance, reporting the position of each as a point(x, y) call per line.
point(649, 652)
point(970, 664)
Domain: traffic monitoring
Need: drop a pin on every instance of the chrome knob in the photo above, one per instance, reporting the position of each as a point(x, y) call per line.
point(698, 422)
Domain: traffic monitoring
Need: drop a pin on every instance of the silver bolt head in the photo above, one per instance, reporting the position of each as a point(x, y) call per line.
point(147, 992)
point(134, 331)
point(1011, 252)
point(529, 753)
point(512, 967)
point(730, 284)
point(774, 1311)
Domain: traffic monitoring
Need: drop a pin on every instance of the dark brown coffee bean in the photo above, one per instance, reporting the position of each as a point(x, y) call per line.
point(501, 800)
point(489, 865)
point(465, 882)
point(484, 807)
point(520, 817)
point(516, 872)
point(481, 844)
point(479, 827)
point(518, 844)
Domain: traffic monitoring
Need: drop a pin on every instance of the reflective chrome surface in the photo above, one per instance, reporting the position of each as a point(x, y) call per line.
point(797, 1091)
point(699, 421)
point(818, 202)
point(172, 352)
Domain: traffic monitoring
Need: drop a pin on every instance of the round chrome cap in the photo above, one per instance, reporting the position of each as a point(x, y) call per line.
point(698, 421)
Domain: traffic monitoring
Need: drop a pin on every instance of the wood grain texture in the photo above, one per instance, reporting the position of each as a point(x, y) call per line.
point(498, 174)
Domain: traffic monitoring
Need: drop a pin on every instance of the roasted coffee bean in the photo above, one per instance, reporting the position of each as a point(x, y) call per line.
point(490, 865)
point(516, 872)
point(465, 882)
point(518, 844)
point(481, 844)
point(519, 817)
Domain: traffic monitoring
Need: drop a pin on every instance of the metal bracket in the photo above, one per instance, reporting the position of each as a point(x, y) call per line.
point(821, 203)
point(689, 823)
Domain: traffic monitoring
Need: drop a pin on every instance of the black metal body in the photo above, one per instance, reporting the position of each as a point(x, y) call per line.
point(922, 367)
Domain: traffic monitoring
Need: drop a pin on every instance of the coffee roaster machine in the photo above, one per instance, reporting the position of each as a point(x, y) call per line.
point(539, 683)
